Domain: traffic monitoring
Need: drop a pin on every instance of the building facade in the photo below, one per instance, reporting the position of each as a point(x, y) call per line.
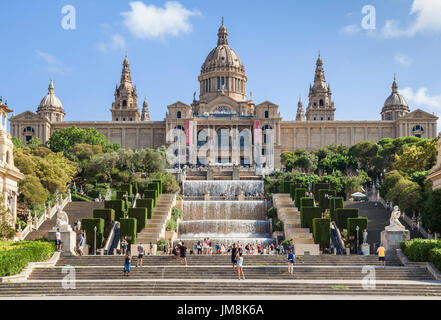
point(223, 111)
point(9, 174)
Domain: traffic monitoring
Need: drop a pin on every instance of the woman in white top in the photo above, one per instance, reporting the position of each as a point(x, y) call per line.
point(239, 265)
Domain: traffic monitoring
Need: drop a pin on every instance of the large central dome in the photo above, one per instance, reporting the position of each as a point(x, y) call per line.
point(222, 58)
point(222, 72)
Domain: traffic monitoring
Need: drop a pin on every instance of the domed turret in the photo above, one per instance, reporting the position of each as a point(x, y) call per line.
point(51, 107)
point(223, 71)
point(395, 105)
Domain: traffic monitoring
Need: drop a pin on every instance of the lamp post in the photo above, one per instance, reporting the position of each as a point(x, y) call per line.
point(94, 241)
point(358, 229)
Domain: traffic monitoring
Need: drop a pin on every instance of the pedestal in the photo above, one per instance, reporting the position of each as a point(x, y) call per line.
point(69, 239)
point(391, 239)
point(366, 249)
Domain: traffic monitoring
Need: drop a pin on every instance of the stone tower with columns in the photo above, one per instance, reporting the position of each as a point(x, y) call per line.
point(300, 116)
point(320, 106)
point(145, 111)
point(125, 107)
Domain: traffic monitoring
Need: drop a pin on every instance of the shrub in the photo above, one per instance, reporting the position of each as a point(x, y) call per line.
point(172, 225)
point(121, 195)
point(118, 205)
point(14, 260)
point(159, 183)
point(435, 257)
point(324, 196)
point(352, 224)
point(309, 213)
point(278, 226)
point(321, 229)
point(318, 186)
point(146, 203)
point(154, 186)
point(88, 226)
point(161, 244)
point(343, 215)
point(286, 187)
point(79, 197)
point(127, 188)
point(128, 229)
point(177, 213)
point(108, 215)
point(272, 213)
point(334, 204)
point(151, 194)
point(419, 249)
point(306, 202)
point(140, 214)
point(300, 193)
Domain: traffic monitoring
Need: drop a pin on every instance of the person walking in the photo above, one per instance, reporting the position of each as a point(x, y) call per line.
point(175, 252)
point(123, 246)
point(81, 245)
point(140, 255)
point(199, 248)
point(233, 256)
point(58, 242)
point(183, 254)
point(291, 258)
point(151, 249)
point(127, 263)
point(239, 259)
point(382, 254)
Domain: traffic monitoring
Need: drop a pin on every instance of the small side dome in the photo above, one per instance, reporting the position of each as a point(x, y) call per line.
point(50, 100)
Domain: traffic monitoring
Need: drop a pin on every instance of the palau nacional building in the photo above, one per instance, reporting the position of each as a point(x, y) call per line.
point(223, 105)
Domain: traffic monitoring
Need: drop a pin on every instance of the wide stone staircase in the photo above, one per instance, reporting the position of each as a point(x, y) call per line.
point(157, 225)
point(266, 275)
point(75, 210)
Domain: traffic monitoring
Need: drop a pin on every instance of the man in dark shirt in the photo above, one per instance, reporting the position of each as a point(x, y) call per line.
point(183, 253)
point(233, 257)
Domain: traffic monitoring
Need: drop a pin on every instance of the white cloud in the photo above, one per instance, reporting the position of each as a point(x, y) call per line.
point(117, 43)
point(427, 19)
point(420, 97)
point(404, 60)
point(149, 22)
point(351, 29)
point(53, 65)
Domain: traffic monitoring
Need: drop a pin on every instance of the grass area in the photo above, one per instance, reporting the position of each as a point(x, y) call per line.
point(340, 288)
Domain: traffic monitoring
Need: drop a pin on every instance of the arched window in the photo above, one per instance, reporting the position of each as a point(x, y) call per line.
point(418, 131)
point(7, 157)
point(266, 114)
point(179, 115)
point(124, 103)
point(321, 103)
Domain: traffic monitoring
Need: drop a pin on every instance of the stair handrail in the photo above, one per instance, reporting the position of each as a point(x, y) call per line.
point(138, 196)
point(339, 239)
point(111, 236)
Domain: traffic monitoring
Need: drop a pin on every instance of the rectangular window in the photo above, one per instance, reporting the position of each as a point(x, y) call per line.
point(218, 84)
point(227, 86)
point(209, 85)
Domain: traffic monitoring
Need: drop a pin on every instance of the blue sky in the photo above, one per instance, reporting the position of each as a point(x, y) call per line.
point(167, 42)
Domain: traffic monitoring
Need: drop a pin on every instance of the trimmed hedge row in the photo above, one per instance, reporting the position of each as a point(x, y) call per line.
point(140, 214)
point(321, 229)
point(128, 229)
point(13, 261)
point(307, 214)
point(324, 196)
point(361, 222)
point(300, 193)
point(108, 215)
point(118, 205)
point(318, 186)
point(338, 203)
point(151, 194)
point(343, 215)
point(292, 190)
point(88, 226)
point(146, 203)
point(419, 249)
point(306, 202)
point(127, 188)
point(159, 182)
point(286, 186)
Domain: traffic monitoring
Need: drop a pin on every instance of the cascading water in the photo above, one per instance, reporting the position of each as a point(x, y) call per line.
point(217, 187)
point(224, 221)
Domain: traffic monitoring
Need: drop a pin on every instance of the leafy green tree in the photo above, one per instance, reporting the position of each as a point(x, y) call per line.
point(64, 139)
point(33, 191)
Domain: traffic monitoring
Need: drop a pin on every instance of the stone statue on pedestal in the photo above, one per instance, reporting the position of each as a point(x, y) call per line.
point(62, 219)
point(365, 235)
point(395, 224)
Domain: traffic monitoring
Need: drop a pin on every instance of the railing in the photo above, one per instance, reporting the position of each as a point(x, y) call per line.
point(113, 239)
point(138, 196)
point(35, 223)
